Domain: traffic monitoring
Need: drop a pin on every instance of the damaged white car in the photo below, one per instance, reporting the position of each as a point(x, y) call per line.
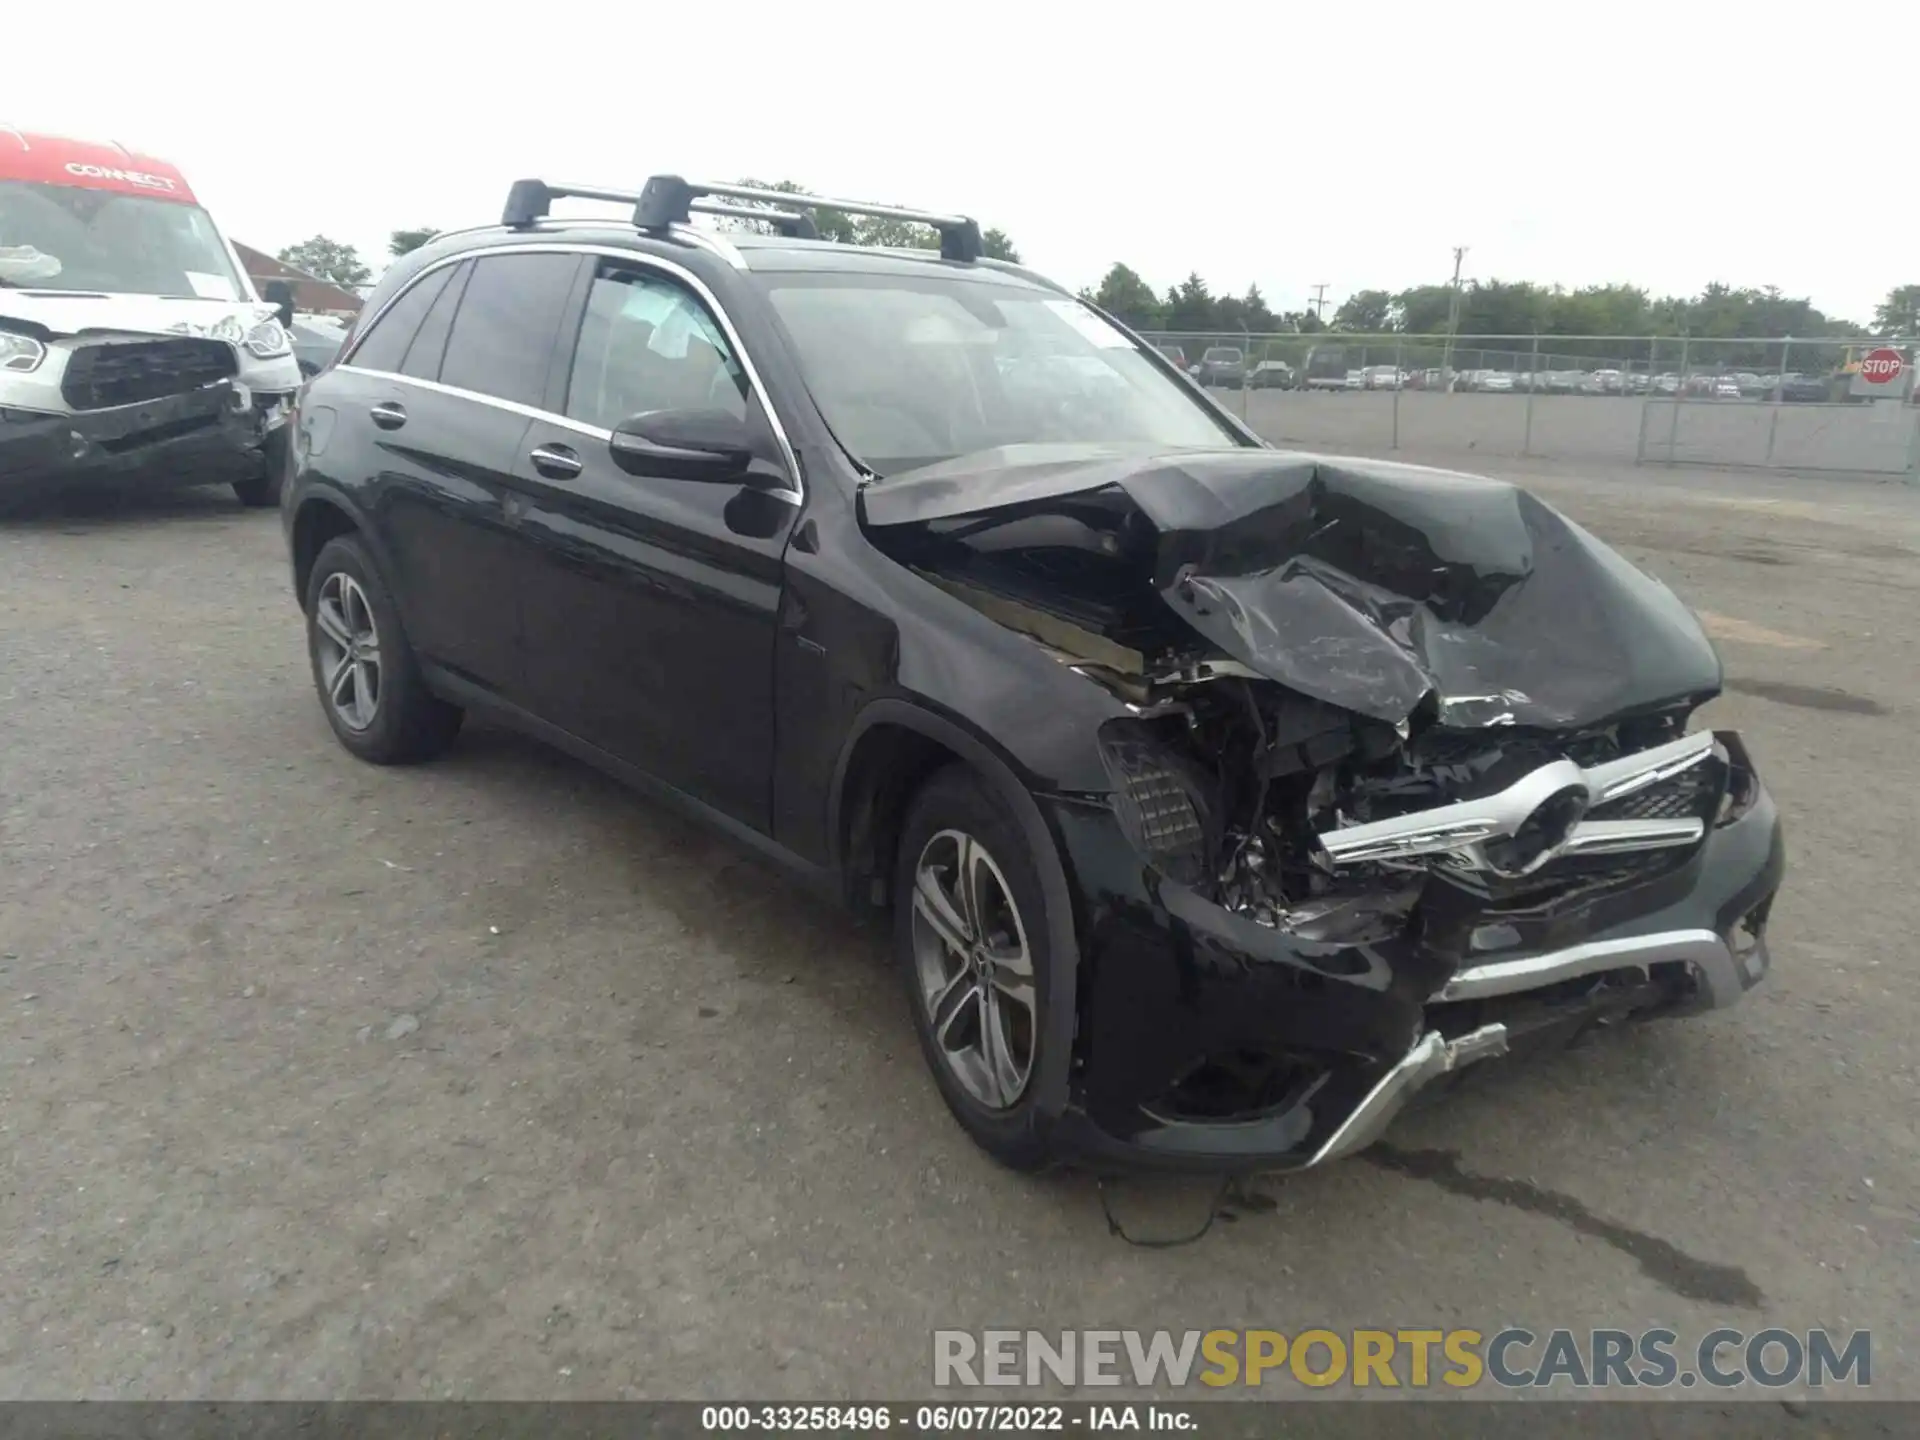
point(133, 348)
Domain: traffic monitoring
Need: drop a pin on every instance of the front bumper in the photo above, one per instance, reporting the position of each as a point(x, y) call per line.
point(1326, 1042)
point(206, 436)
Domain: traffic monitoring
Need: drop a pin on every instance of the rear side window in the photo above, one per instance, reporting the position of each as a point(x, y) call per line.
point(503, 334)
point(385, 345)
point(430, 342)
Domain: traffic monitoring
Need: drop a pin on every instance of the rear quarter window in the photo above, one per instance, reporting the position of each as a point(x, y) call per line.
point(385, 345)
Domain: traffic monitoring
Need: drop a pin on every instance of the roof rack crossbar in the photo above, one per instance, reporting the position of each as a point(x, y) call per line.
point(669, 199)
point(790, 223)
point(531, 200)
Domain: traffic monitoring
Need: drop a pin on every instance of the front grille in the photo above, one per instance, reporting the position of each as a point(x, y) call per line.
point(1679, 797)
point(104, 374)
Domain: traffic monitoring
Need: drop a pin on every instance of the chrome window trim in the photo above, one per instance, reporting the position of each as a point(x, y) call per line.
point(639, 259)
point(532, 412)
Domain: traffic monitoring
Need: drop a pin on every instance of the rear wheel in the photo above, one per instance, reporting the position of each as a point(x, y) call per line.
point(970, 937)
point(369, 682)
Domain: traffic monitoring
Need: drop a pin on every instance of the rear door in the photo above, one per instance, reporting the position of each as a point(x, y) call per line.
point(650, 619)
point(452, 412)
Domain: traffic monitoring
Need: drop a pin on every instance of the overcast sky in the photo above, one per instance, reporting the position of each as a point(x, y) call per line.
point(1666, 146)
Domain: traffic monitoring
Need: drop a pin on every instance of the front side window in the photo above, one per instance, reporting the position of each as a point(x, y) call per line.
point(910, 370)
point(62, 237)
point(503, 333)
point(647, 344)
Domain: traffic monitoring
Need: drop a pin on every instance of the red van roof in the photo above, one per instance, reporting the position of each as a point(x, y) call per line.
point(53, 160)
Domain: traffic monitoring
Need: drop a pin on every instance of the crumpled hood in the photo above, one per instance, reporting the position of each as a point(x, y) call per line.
point(1367, 584)
point(61, 313)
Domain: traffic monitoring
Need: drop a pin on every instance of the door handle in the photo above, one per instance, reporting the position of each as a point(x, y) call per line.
point(556, 462)
point(389, 415)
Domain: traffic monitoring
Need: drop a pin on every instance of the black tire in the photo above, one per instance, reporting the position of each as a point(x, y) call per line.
point(407, 723)
point(955, 800)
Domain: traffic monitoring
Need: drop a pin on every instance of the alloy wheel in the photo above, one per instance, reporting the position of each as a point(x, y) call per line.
point(974, 968)
point(346, 647)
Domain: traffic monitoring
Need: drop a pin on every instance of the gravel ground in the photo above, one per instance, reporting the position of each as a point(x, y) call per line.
point(489, 1079)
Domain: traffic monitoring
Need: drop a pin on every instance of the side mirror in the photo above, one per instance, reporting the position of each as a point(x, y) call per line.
point(279, 293)
point(706, 445)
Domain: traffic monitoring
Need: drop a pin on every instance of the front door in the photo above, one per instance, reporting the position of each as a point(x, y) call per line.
point(648, 618)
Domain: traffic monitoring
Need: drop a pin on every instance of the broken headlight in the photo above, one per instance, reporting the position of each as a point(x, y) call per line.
point(1161, 801)
point(20, 354)
point(268, 340)
point(1743, 784)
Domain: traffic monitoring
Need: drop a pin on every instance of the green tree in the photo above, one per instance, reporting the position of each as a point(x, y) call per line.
point(327, 260)
point(996, 244)
point(1899, 313)
point(1190, 306)
point(1423, 309)
point(1129, 299)
point(405, 242)
point(1254, 311)
point(1369, 312)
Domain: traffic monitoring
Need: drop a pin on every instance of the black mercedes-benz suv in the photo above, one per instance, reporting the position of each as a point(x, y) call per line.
point(1221, 796)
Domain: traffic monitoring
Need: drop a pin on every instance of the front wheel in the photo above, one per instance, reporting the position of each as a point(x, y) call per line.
point(970, 937)
point(369, 682)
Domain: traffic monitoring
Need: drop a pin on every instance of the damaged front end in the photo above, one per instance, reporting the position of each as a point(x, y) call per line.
point(1404, 773)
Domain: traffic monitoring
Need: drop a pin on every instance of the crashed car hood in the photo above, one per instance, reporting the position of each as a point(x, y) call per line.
point(1366, 584)
point(63, 313)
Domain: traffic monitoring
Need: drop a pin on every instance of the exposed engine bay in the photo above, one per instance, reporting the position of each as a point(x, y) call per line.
point(1226, 776)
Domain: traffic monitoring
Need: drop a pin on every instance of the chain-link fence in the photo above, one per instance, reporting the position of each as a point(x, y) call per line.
point(1783, 403)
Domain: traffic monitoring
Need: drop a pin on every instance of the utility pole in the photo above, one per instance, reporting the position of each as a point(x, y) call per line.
point(1453, 317)
point(1319, 302)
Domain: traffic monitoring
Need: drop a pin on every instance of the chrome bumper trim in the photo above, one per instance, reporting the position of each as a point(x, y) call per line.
point(1432, 1056)
point(1712, 962)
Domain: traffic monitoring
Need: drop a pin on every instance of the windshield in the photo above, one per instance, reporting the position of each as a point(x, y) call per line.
point(60, 237)
point(912, 370)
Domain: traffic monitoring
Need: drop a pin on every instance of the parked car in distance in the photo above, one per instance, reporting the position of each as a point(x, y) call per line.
point(1223, 367)
point(1805, 389)
point(1251, 883)
point(1271, 375)
point(1356, 380)
point(1726, 387)
point(1174, 353)
point(1667, 384)
point(1381, 377)
point(1495, 381)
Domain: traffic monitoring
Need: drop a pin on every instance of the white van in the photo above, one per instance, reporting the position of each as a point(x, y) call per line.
point(133, 347)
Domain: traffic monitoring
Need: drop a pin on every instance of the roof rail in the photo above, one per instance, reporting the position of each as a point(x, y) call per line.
point(669, 200)
point(529, 202)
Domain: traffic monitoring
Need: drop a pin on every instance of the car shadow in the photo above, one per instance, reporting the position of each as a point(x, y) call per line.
point(87, 511)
